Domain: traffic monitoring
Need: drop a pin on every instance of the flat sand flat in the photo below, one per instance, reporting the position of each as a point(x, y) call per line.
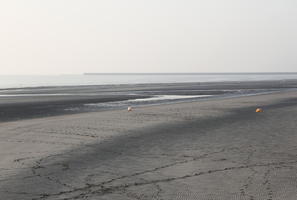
point(216, 149)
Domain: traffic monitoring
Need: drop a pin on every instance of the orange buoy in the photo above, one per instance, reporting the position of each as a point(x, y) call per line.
point(258, 110)
point(129, 109)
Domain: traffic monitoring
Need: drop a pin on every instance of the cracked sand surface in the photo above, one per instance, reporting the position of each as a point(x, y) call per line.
point(200, 150)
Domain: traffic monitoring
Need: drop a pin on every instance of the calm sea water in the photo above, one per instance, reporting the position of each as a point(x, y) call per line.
point(106, 79)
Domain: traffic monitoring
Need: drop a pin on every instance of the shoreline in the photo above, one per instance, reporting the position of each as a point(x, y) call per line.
point(43, 102)
point(152, 84)
point(44, 81)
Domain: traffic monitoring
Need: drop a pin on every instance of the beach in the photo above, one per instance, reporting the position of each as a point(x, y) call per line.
point(218, 148)
point(36, 102)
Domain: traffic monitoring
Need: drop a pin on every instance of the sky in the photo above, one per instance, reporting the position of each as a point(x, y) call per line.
point(126, 36)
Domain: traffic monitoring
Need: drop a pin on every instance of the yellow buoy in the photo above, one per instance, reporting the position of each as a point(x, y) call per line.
point(258, 110)
point(129, 109)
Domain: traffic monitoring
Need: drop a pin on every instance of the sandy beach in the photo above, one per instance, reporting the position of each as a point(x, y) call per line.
point(29, 103)
point(148, 100)
point(215, 149)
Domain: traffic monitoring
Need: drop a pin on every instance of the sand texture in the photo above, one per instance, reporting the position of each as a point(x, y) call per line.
point(216, 149)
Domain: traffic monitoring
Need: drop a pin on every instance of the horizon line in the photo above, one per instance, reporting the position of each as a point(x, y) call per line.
point(181, 73)
point(149, 73)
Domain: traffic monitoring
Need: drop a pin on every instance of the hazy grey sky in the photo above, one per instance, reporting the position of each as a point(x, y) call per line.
point(76, 36)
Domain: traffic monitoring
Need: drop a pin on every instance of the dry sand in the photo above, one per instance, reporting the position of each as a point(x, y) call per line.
point(216, 149)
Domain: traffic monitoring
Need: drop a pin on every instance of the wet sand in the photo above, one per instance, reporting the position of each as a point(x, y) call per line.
point(26, 103)
point(215, 149)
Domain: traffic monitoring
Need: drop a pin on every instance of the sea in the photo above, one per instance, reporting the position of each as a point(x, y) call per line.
point(23, 81)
